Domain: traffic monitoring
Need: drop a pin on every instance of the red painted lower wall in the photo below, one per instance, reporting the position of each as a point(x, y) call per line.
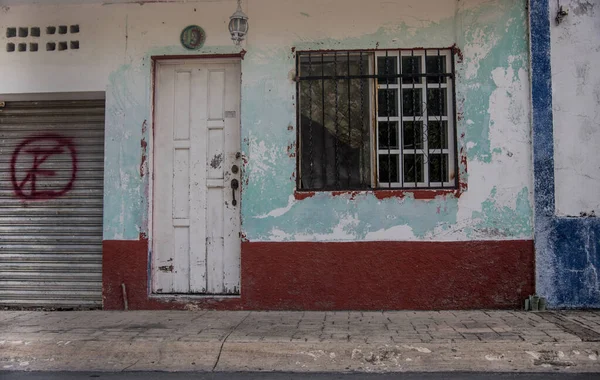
point(346, 276)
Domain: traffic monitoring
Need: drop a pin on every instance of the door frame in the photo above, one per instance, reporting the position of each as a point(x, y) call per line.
point(149, 185)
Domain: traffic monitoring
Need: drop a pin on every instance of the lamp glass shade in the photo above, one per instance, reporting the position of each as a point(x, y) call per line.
point(238, 27)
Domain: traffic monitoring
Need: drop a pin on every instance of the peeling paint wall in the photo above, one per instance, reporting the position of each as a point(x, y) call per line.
point(118, 40)
point(576, 106)
point(564, 118)
point(492, 90)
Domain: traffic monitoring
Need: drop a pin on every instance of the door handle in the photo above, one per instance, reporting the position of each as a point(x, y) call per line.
point(234, 186)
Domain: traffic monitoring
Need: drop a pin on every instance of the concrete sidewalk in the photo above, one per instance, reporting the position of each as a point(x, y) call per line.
point(300, 341)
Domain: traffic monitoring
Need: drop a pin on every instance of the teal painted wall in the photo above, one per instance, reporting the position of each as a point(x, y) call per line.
point(492, 37)
point(128, 144)
point(492, 94)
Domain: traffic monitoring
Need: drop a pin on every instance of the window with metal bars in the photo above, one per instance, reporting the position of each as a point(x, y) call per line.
point(380, 119)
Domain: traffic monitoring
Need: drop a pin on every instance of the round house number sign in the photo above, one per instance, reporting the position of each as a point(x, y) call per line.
point(193, 37)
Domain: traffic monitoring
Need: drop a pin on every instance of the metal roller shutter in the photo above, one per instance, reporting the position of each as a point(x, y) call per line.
point(51, 186)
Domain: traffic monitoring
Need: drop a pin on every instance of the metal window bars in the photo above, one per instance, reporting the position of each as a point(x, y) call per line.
point(387, 112)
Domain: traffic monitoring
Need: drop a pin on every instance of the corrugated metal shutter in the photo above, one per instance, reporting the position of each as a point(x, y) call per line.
point(51, 186)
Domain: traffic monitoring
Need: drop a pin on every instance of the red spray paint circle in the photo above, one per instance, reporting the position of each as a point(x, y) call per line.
point(31, 172)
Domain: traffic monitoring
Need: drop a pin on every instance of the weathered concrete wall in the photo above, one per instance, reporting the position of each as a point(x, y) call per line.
point(116, 42)
point(576, 106)
point(567, 248)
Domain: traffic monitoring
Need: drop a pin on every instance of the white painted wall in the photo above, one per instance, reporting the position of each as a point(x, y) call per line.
point(111, 35)
point(576, 106)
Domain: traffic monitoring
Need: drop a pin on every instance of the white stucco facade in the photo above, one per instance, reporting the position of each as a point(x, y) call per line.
point(576, 106)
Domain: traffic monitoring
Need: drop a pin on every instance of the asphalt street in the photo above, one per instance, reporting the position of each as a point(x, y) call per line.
point(290, 376)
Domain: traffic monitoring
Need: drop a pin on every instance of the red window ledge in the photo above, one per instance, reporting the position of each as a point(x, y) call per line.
point(383, 194)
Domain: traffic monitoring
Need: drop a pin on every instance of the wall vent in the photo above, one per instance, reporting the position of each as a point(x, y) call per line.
point(30, 38)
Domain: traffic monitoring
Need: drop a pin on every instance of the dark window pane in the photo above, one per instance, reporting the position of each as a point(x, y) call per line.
point(436, 65)
point(387, 66)
point(413, 168)
point(438, 168)
point(317, 64)
point(388, 168)
point(310, 64)
point(413, 135)
point(437, 134)
point(387, 103)
point(411, 66)
point(334, 141)
point(436, 102)
point(388, 135)
point(412, 102)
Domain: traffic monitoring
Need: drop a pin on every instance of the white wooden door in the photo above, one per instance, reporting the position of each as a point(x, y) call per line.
point(196, 226)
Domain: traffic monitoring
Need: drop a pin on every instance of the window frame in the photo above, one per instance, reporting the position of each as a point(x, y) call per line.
point(452, 181)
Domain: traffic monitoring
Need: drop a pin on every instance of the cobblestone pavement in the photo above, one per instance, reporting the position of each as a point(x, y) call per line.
point(300, 341)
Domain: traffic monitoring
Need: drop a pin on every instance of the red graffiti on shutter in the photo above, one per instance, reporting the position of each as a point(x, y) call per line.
point(29, 167)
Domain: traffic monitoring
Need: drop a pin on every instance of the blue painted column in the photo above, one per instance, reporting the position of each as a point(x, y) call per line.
point(567, 249)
